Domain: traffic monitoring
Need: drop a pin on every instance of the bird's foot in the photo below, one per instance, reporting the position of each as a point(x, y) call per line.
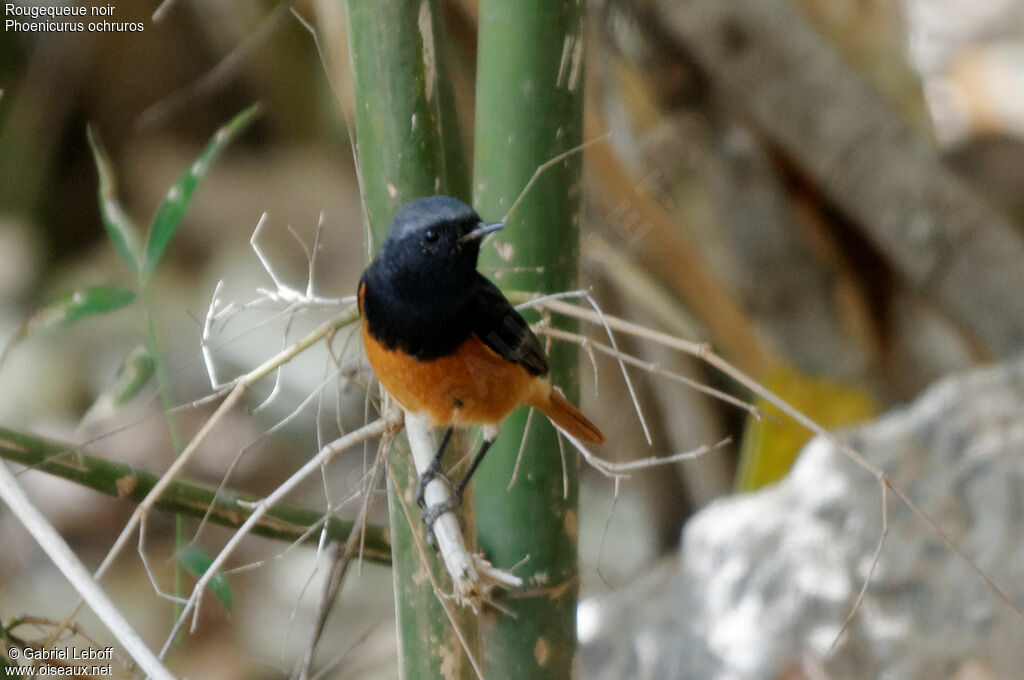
point(430, 474)
point(431, 514)
point(434, 512)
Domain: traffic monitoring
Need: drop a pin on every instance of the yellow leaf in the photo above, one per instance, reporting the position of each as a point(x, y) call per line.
point(770, 448)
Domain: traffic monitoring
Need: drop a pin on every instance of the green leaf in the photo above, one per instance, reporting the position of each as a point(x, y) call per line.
point(71, 307)
point(120, 228)
point(79, 304)
point(132, 376)
point(195, 561)
point(168, 215)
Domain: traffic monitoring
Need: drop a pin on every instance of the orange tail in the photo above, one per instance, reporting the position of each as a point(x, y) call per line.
point(566, 416)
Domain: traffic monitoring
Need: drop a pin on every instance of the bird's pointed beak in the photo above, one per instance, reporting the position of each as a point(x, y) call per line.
point(481, 231)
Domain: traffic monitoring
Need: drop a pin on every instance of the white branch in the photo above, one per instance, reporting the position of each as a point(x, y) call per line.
point(211, 315)
point(284, 292)
point(472, 575)
point(69, 565)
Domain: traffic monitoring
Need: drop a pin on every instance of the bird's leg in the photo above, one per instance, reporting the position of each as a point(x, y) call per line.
point(486, 444)
point(433, 471)
point(431, 514)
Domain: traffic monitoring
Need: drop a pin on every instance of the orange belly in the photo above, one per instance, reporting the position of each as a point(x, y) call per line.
point(472, 386)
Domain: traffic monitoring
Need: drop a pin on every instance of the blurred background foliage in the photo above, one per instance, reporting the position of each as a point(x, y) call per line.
point(703, 217)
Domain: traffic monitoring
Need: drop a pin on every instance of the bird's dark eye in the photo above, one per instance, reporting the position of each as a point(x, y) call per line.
point(430, 236)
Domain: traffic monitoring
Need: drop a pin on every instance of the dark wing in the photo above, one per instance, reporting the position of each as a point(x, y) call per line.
point(500, 327)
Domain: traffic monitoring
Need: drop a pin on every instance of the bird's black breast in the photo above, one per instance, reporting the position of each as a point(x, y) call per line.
point(430, 323)
point(420, 322)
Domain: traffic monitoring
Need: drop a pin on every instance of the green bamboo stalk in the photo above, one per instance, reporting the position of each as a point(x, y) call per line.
point(529, 108)
point(225, 507)
point(406, 128)
point(408, 144)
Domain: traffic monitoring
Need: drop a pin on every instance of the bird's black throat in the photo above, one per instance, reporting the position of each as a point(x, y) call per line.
point(427, 321)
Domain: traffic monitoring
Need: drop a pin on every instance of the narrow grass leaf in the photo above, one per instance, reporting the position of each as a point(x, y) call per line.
point(69, 308)
point(132, 376)
point(120, 229)
point(168, 215)
point(195, 561)
point(79, 304)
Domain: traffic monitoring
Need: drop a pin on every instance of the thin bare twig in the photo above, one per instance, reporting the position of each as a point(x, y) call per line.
point(611, 338)
point(336, 661)
point(522, 449)
point(547, 164)
point(376, 428)
point(283, 292)
point(241, 385)
point(871, 569)
point(622, 367)
point(652, 367)
point(342, 558)
point(216, 76)
point(703, 351)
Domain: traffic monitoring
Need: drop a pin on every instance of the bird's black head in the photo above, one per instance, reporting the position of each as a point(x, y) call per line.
point(434, 242)
point(420, 291)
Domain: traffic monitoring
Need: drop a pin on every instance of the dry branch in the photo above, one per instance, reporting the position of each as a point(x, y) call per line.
point(705, 353)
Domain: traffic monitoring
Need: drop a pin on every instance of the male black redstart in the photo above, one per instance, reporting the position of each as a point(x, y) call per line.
point(445, 342)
